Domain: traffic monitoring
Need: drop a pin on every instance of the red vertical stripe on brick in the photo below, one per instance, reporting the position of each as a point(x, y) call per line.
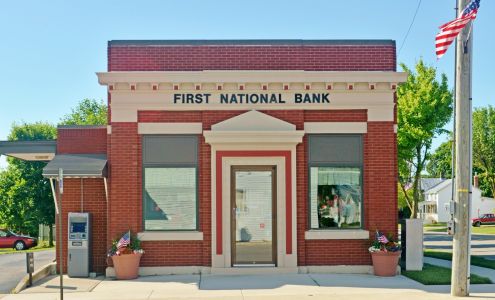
point(219, 203)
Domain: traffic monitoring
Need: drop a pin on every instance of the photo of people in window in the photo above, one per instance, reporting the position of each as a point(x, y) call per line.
point(335, 197)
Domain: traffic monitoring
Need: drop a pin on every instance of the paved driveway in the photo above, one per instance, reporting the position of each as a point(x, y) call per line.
point(481, 244)
point(13, 267)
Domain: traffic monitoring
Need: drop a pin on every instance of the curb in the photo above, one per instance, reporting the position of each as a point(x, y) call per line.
point(41, 273)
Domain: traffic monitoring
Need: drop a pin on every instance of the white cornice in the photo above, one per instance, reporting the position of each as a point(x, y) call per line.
point(265, 77)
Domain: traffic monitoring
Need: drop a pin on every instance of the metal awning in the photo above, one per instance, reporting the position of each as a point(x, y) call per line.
point(43, 150)
point(77, 165)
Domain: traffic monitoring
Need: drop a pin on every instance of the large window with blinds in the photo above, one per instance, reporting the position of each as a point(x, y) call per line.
point(335, 165)
point(170, 172)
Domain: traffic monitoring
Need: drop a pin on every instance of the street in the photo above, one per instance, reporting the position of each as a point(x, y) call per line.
point(482, 245)
point(13, 267)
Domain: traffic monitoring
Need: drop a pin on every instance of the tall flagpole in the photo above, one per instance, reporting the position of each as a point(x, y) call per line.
point(460, 248)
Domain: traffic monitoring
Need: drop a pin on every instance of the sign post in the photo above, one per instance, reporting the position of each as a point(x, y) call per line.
point(30, 266)
point(59, 229)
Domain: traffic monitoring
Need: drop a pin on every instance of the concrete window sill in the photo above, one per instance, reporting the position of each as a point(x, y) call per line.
point(170, 236)
point(351, 234)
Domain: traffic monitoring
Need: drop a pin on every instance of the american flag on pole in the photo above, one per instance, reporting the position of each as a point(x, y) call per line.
point(381, 238)
point(449, 31)
point(124, 240)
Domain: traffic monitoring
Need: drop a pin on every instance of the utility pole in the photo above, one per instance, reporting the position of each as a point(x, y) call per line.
point(461, 245)
point(60, 232)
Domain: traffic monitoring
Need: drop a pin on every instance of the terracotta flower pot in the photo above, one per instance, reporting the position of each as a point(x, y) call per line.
point(127, 265)
point(385, 263)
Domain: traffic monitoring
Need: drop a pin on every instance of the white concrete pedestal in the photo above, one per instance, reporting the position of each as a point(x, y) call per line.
point(414, 245)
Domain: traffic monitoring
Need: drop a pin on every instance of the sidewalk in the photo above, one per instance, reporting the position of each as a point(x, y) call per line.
point(287, 287)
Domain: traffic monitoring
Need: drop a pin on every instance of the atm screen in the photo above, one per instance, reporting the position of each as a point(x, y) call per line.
point(78, 227)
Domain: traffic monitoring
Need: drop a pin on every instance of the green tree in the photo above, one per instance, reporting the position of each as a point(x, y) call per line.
point(25, 196)
point(424, 107)
point(440, 162)
point(484, 147)
point(87, 112)
point(18, 207)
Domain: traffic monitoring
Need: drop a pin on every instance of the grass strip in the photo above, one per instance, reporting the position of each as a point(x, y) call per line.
point(436, 229)
point(34, 249)
point(436, 275)
point(440, 224)
point(475, 260)
point(483, 229)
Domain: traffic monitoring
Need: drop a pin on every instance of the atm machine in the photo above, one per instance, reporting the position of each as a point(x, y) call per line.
point(79, 245)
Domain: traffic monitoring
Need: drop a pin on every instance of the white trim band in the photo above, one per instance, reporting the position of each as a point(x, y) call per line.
point(170, 236)
point(254, 137)
point(170, 128)
point(344, 234)
point(335, 127)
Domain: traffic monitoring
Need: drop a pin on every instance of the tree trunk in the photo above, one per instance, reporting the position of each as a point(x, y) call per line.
point(50, 235)
point(492, 184)
point(414, 213)
point(415, 196)
point(416, 188)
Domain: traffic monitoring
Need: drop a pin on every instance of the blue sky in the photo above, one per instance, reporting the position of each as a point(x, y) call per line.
point(50, 50)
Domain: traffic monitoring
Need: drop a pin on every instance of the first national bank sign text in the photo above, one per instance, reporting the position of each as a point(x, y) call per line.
point(251, 98)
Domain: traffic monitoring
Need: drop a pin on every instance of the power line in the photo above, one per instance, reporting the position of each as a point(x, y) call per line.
point(410, 26)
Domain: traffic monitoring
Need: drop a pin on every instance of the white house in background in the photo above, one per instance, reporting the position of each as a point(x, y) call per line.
point(437, 197)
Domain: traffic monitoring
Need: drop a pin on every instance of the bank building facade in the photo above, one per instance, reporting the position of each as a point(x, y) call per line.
point(234, 156)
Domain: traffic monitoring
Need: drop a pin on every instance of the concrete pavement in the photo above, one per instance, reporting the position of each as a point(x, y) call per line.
point(13, 267)
point(287, 286)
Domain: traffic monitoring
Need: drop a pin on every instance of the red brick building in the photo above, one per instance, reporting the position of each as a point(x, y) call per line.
point(219, 155)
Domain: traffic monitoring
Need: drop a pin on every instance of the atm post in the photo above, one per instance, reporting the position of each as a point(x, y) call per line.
point(78, 246)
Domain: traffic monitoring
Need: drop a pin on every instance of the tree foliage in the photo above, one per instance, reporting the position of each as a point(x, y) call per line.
point(484, 147)
point(440, 165)
point(424, 107)
point(87, 112)
point(25, 196)
point(440, 162)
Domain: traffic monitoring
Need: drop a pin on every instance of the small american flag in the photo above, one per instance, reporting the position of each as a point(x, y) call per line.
point(124, 240)
point(381, 238)
point(449, 31)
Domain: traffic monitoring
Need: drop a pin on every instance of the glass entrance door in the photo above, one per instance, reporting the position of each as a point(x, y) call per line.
point(253, 215)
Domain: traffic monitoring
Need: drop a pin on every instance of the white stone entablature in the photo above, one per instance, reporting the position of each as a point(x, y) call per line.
point(321, 90)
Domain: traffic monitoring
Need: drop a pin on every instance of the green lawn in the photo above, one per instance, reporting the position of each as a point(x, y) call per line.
point(40, 247)
point(439, 224)
point(484, 229)
point(435, 229)
point(475, 260)
point(435, 275)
